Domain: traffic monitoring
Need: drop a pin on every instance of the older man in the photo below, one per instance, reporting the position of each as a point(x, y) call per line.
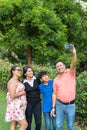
point(64, 93)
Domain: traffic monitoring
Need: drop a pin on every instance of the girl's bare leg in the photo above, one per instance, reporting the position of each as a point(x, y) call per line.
point(23, 124)
point(13, 125)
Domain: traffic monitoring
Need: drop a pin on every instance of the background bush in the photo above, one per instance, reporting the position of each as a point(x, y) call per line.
point(81, 100)
point(5, 67)
point(4, 73)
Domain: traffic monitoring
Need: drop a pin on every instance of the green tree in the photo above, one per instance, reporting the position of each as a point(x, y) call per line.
point(31, 25)
point(76, 20)
point(41, 28)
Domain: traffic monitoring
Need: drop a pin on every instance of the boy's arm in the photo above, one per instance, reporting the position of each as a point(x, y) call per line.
point(53, 104)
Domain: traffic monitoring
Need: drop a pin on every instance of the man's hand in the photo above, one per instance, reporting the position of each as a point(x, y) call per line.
point(73, 50)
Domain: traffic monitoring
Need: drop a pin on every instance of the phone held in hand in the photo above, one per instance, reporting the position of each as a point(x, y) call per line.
point(68, 46)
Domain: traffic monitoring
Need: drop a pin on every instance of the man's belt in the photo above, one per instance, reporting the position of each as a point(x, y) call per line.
point(67, 103)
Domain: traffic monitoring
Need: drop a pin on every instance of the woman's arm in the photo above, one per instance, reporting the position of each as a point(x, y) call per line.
point(12, 90)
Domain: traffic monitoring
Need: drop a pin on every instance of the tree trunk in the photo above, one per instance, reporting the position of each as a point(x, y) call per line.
point(29, 55)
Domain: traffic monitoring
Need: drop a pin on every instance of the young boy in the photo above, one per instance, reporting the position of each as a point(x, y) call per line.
point(46, 89)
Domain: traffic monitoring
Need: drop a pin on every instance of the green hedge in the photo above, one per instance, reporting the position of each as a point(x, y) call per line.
point(5, 67)
point(81, 100)
point(4, 73)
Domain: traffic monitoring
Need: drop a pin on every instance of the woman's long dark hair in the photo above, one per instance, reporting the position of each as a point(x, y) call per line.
point(25, 68)
point(11, 73)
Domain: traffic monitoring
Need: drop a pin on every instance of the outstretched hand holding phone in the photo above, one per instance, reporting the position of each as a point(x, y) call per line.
point(69, 46)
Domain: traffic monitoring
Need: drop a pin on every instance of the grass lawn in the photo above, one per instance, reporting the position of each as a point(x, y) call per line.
point(6, 126)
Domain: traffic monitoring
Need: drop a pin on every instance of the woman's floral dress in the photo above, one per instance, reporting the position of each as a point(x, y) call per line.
point(16, 107)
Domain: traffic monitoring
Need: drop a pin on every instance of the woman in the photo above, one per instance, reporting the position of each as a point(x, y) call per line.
point(33, 98)
point(16, 101)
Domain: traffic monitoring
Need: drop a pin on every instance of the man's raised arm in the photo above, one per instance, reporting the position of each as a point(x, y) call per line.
point(74, 59)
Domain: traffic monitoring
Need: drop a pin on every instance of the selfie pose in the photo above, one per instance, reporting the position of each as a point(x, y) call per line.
point(64, 93)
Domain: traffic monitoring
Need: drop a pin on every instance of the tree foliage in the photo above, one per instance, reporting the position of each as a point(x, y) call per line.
point(44, 25)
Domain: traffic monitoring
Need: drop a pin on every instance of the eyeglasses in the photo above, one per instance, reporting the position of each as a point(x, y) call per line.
point(18, 69)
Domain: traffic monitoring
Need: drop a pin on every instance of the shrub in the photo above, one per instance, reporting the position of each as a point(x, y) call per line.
point(50, 70)
point(5, 67)
point(4, 72)
point(81, 102)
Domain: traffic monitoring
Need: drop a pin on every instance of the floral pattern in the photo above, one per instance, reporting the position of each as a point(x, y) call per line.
point(16, 107)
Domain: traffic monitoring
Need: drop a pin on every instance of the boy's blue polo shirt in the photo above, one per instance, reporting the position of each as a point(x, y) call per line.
point(46, 91)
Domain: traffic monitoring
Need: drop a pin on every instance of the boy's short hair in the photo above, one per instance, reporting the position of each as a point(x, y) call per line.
point(41, 73)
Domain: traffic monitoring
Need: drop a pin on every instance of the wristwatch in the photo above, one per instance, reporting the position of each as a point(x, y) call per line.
point(53, 107)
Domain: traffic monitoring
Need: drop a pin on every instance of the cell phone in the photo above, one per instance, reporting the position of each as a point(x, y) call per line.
point(68, 46)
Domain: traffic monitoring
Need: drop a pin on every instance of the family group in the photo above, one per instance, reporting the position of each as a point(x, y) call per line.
point(34, 95)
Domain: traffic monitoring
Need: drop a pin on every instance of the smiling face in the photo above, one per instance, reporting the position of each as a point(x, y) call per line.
point(29, 73)
point(45, 78)
point(16, 71)
point(60, 67)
